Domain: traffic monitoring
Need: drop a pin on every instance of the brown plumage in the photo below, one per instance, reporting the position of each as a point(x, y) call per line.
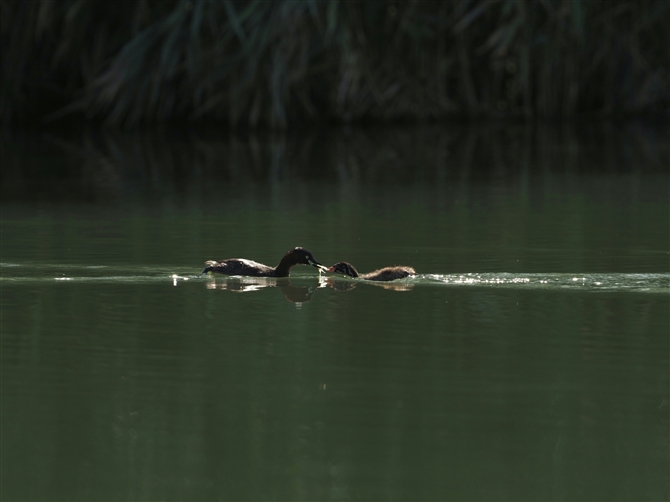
point(383, 274)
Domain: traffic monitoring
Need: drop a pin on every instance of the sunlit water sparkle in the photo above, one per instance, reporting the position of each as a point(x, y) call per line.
point(17, 273)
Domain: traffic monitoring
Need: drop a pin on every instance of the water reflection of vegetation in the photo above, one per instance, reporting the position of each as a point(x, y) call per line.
point(112, 164)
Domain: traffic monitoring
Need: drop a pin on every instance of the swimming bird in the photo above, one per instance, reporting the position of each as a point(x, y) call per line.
point(383, 274)
point(241, 266)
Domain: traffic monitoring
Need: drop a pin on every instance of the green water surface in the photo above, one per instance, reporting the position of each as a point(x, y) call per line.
point(527, 360)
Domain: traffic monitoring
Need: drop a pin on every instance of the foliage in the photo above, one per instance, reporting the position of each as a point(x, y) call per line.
point(254, 62)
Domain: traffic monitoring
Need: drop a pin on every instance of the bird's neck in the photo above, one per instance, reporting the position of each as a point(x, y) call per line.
point(284, 266)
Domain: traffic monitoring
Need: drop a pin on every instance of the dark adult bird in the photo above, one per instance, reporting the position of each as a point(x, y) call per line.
point(241, 266)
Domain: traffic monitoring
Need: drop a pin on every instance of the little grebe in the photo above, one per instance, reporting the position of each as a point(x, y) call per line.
point(383, 274)
point(240, 266)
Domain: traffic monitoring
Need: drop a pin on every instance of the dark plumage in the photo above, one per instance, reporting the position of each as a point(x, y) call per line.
point(383, 274)
point(240, 266)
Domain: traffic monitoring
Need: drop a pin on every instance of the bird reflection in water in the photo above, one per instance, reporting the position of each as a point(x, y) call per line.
point(292, 291)
point(344, 284)
point(295, 291)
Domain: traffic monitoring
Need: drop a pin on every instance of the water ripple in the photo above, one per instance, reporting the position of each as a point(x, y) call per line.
point(16, 273)
point(652, 283)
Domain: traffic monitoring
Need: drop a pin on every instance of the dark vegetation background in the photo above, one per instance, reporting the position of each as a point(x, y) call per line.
point(260, 63)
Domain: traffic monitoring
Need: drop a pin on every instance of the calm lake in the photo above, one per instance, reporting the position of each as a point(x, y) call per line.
point(527, 360)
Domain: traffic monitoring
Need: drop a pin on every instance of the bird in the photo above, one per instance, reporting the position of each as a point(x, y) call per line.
point(241, 266)
point(383, 274)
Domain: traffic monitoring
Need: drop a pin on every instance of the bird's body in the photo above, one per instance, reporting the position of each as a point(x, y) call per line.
point(383, 274)
point(242, 266)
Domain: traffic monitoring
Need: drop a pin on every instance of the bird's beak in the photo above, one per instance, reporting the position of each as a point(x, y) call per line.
point(318, 265)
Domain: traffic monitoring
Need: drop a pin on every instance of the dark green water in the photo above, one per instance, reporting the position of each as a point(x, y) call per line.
point(529, 359)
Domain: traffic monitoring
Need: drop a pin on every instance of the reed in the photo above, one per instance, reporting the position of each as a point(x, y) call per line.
point(256, 63)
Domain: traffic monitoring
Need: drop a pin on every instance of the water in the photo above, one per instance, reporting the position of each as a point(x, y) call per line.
point(527, 360)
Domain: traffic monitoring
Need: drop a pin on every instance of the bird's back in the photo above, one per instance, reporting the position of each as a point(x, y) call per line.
point(239, 266)
point(389, 273)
